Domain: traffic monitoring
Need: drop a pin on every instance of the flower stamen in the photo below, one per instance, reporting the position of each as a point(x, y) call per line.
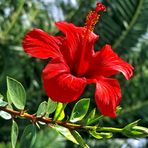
point(93, 16)
point(91, 20)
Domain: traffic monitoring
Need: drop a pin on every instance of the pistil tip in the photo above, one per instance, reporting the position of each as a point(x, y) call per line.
point(100, 7)
point(93, 16)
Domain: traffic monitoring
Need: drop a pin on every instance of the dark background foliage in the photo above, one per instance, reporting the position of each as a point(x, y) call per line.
point(124, 26)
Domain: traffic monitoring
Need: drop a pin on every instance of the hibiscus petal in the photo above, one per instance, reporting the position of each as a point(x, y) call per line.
point(39, 44)
point(107, 96)
point(107, 63)
point(73, 44)
point(73, 36)
point(55, 67)
point(59, 84)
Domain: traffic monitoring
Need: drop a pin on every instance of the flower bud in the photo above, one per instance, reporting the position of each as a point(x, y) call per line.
point(134, 131)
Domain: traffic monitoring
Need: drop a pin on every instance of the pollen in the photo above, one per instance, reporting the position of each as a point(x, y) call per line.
point(93, 17)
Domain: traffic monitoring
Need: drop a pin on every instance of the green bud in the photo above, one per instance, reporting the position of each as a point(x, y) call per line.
point(118, 109)
point(134, 131)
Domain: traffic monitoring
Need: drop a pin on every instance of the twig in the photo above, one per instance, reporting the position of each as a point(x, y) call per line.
point(50, 121)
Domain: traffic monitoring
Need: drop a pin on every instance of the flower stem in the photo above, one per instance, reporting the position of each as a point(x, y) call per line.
point(109, 129)
point(48, 121)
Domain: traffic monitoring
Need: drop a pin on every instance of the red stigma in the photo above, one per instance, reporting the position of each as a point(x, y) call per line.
point(100, 7)
point(93, 16)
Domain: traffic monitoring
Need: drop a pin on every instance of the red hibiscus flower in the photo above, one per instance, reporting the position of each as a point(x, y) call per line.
point(75, 64)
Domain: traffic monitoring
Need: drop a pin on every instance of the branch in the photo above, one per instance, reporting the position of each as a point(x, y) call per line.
point(130, 130)
point(50, 121)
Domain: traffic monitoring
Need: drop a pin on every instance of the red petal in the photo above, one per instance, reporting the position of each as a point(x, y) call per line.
point(39, 44)
point(55, 67)
point(73, 37)
point(107, 96)
point(73, 44)
point(107, 63)
point(59, 84)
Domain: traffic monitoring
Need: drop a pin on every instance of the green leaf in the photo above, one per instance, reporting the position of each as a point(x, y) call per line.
point(46, 108)
point(118, 109)
point(5, 115)
point(80, 110)
point(66, 133)
point(140, 131)
point(90, 117)
point(14, 134)
point(51, 106)
point(3, 103)
point(1, 97)
point(16, 92)
point(95, 135)
point(42, 109)
point(79, 139)
point(125, 23)
point(100, 135)
point(28, 137)
point(8, 98)
point(95, 120)
point(129, 127)
point(49, 138)
point(134, 131)
point(59, 114)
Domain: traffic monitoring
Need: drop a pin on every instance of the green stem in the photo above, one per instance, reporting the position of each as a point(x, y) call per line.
point(109, 129)
point(134, 19)
point(48, 121)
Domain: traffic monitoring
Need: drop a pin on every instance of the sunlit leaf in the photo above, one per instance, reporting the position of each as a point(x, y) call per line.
point(100, 135)
point(66, 133)
point(79, 139)
point(14, 134)
point(8, 98)
point(5, 115)
point(141, 131)
point(3, 103)
point(80, 110)
point(59, 114)
point(16, 93)
point(134, 131)
point(29, 136)
point(90, 117)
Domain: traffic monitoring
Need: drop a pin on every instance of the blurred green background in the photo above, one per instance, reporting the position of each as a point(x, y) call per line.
point(124, 26)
